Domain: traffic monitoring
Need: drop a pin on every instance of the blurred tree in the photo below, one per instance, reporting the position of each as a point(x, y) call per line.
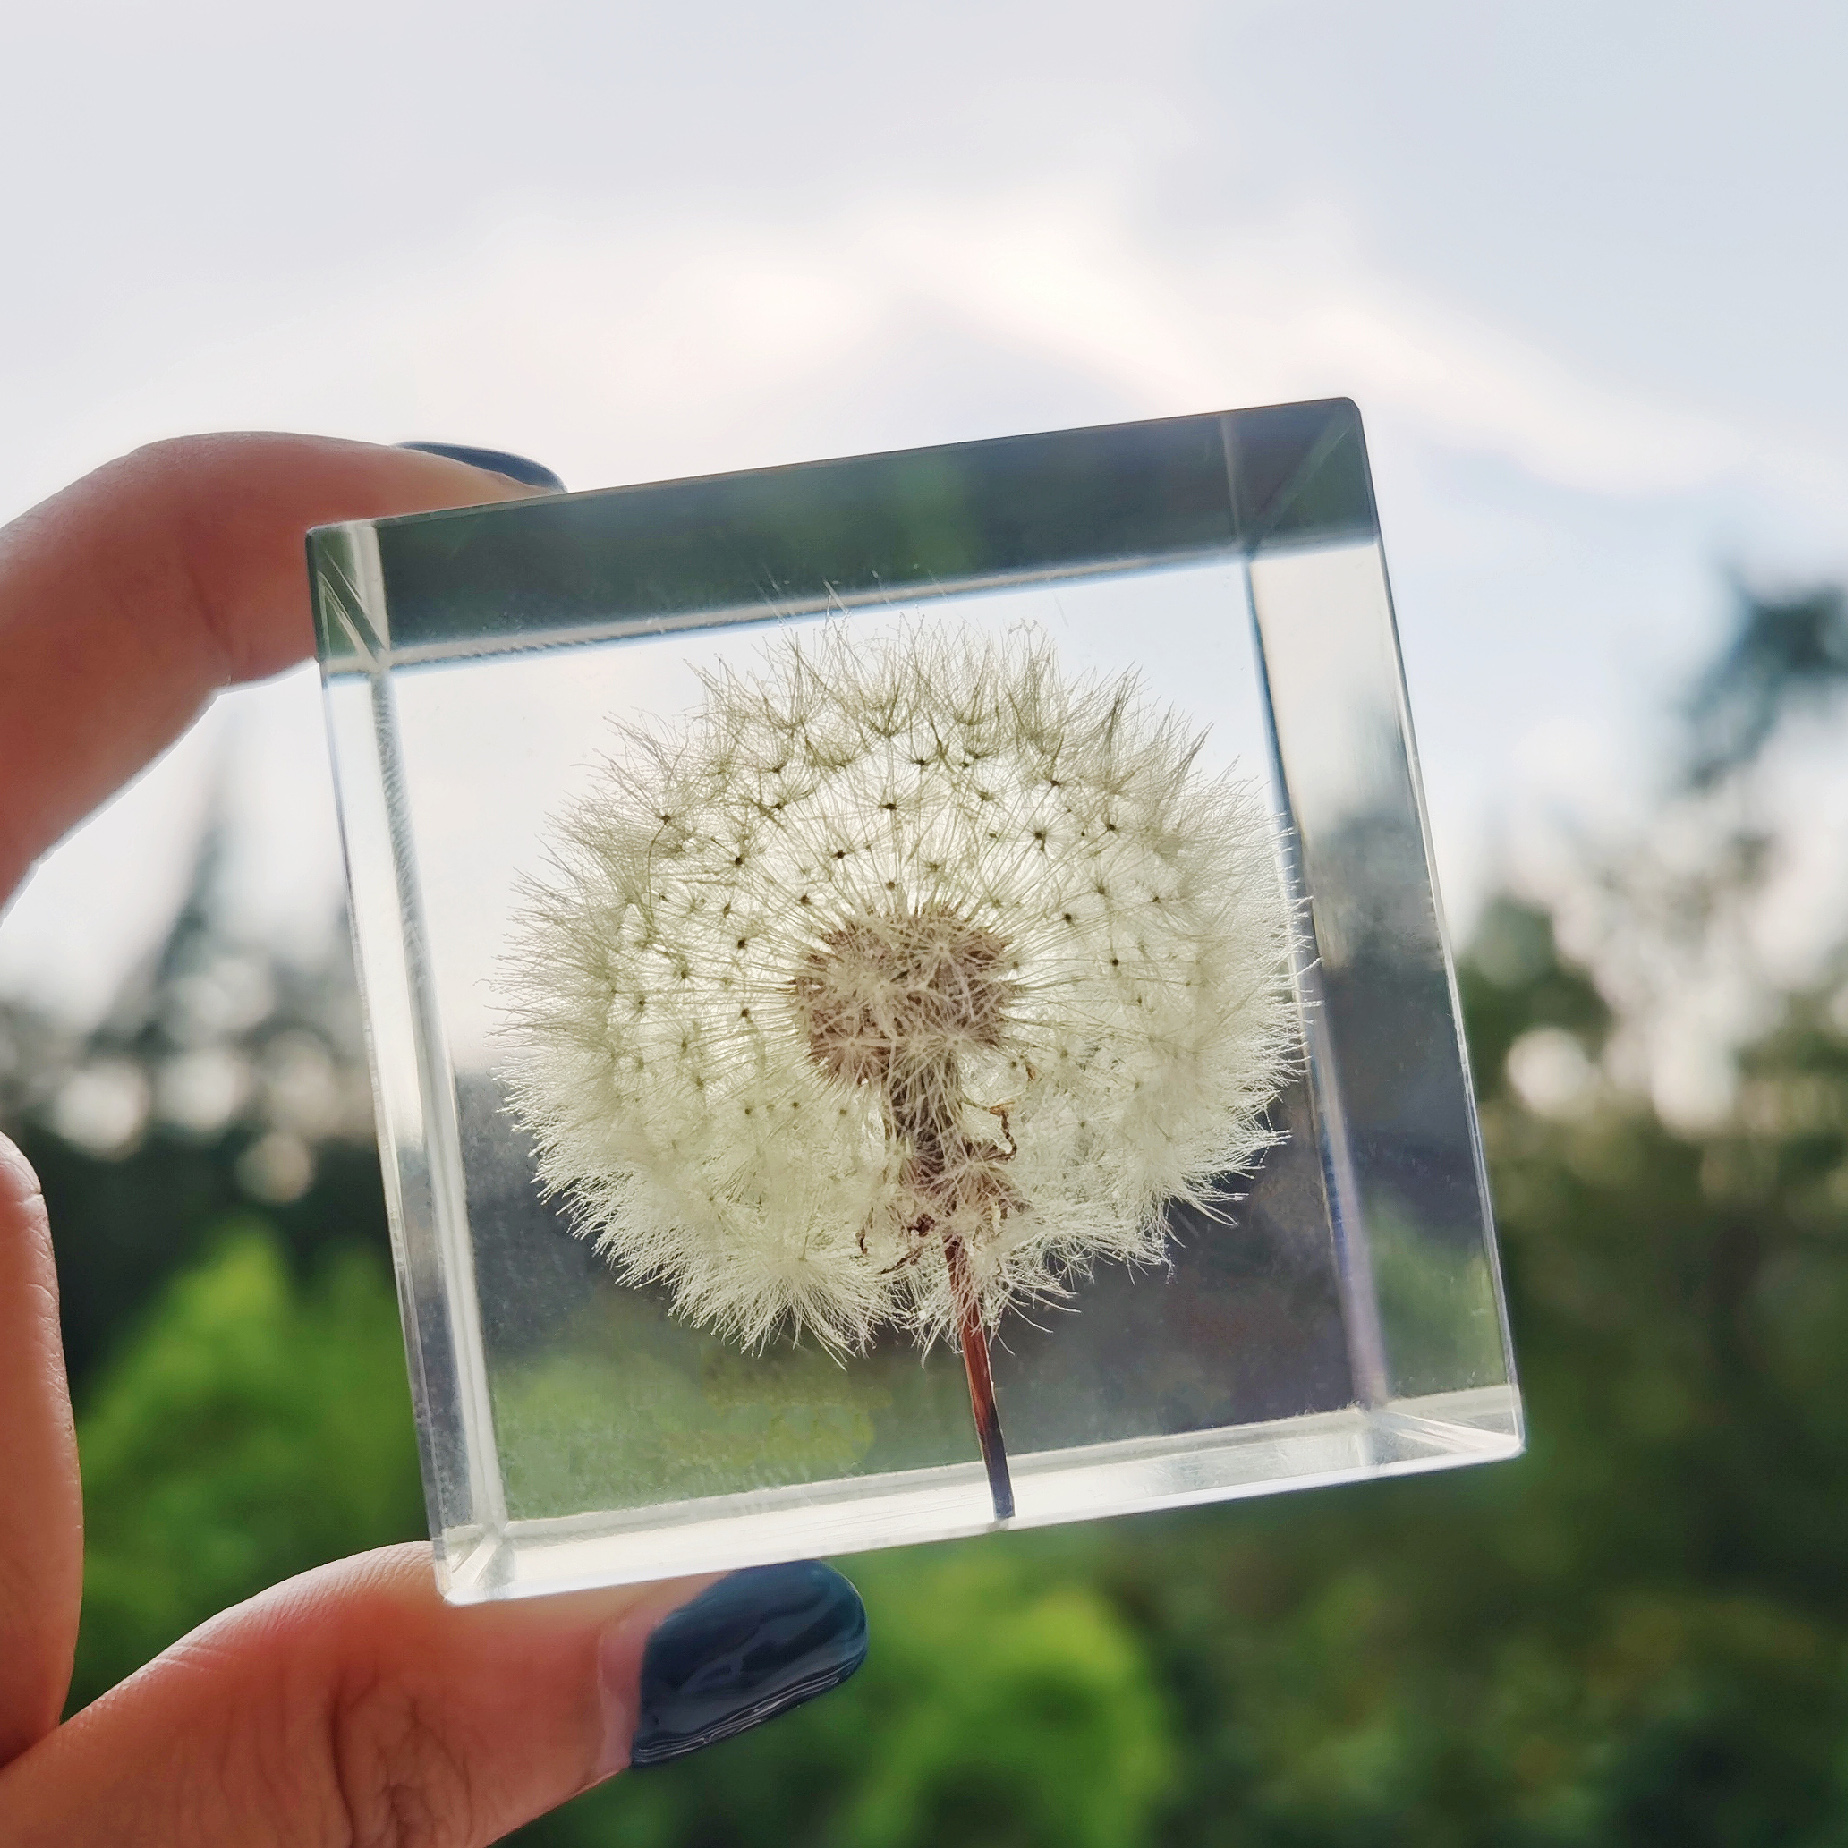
point(1638, 1635)
point(254, 1427)
point(1786, 653)
point(223, 1078)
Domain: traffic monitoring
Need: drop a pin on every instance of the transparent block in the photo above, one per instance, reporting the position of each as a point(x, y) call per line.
point(1339, 1318)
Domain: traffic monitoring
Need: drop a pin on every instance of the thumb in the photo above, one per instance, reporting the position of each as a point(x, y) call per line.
point(352, 1705)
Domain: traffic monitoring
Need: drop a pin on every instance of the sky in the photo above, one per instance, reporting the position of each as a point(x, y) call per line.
point(1580, 266)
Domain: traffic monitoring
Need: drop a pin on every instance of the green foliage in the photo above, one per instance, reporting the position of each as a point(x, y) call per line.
point(626, 1404)
point(1514, 980)
point(696, 1417)
point(253, 1428)
point(1438, 1310)
point(1637, 1635)
point(1786, 653)
point(126, 1225)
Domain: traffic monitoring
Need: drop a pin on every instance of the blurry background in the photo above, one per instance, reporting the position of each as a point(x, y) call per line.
point(1582, 269)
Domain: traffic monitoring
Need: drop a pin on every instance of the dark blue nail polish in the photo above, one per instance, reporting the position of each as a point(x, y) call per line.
point(750, 1647)
point(496, 461)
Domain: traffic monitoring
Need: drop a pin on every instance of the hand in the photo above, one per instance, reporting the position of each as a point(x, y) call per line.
point(351, 1704)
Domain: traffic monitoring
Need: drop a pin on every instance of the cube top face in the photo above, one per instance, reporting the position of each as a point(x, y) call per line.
point(821, 537)
point(1332, 1312)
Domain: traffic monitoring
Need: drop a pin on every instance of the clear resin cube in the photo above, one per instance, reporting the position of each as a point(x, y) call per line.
point(648, 1336)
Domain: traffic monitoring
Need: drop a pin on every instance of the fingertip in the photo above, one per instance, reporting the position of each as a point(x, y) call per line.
point(756, 1644)
point(619, 1642)
point(130, 597)
point(503, 462)
point(356, 1692)
point(19, 1182)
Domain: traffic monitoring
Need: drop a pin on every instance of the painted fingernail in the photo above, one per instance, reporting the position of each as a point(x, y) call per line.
point(746, 1649)
point(496, 461)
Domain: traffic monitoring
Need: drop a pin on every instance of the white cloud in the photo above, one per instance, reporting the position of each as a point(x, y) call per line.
point(616, 345)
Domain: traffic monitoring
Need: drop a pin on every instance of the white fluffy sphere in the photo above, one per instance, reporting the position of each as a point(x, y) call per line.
point(929, 854)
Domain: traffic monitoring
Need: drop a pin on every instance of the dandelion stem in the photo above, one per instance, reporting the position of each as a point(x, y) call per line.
point(981, 1381)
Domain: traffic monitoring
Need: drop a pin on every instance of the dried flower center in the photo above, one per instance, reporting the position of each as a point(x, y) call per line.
point(897, 1000)
point(909, 989)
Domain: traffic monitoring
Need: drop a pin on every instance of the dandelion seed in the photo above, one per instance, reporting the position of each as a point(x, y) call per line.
point(996, 979)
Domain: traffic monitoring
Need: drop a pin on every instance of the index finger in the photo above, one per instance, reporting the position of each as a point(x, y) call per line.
point(131, 597)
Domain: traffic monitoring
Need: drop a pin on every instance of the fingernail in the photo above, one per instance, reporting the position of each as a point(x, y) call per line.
point(496, 461)
point(746, 1649)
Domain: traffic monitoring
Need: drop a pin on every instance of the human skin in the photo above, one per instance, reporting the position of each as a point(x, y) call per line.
point(350, 1705)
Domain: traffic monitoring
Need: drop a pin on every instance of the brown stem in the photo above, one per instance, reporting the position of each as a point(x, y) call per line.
point(981, 1381)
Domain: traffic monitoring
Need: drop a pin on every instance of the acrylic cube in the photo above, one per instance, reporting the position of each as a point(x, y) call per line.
point(1337, 1317)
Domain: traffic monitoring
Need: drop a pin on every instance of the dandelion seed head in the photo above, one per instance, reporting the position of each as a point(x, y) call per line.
point(897, 943)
